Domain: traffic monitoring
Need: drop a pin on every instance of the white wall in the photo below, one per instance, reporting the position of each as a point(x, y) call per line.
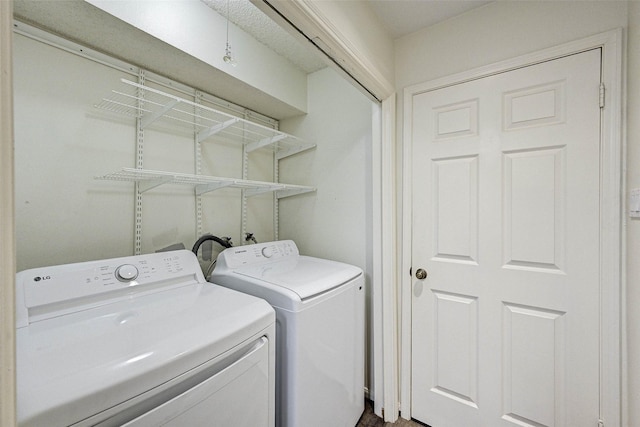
point(502, 30)
point(335, 222)
point(633, 225)
point(59, 146)
point(62, 142)
point(331, 223)
point(498, 31)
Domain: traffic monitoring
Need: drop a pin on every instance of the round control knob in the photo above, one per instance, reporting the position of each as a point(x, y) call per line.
point(267, 252)
point(126, 272)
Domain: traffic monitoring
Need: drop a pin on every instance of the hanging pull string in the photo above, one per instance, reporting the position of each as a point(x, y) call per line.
point(228, 57)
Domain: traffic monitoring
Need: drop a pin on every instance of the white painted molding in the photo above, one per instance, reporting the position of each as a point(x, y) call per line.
point(611, 224)
point(384, 284)
point(388, 260)
point(307, 17)
point(377, 386)
point(7, 228)
point(404, 284)
point(612, 262)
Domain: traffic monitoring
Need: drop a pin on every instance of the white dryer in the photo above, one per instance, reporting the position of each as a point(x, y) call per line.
point(319, 329)
point(141, 341)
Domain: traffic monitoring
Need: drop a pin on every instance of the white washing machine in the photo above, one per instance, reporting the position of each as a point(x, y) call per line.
point(141, 341)
point(319, 329)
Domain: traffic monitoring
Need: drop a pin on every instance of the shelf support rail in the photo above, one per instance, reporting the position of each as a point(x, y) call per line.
point(137, 240)
point(197, 152)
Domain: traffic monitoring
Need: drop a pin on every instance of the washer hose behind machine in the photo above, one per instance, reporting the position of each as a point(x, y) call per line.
point(225, 242)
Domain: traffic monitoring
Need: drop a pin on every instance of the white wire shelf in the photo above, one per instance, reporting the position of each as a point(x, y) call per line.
point(149, 179)
point(136, 100)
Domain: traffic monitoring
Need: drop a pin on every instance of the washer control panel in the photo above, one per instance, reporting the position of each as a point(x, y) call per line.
point(65, 288)
point(257, 253)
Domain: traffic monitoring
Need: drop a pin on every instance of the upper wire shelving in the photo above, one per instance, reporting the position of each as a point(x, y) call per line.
point(151, 105)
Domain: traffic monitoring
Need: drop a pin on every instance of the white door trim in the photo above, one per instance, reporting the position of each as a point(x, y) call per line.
point(389, 300)
point(384, 339)
point(611, 225)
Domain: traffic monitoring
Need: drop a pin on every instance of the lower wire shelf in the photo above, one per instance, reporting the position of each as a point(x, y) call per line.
point(149, 179)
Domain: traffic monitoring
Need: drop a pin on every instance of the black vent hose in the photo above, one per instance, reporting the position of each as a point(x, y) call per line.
point(223, 242)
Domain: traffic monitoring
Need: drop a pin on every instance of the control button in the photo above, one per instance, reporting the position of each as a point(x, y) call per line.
point(126, 273)
point(267, 252)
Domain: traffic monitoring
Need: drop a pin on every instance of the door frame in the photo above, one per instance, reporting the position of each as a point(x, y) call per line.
point(612, 158)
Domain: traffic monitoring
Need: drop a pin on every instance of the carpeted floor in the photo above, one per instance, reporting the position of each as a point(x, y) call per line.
point(369, 419)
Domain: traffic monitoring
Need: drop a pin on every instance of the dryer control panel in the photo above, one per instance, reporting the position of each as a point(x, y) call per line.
point(46, 292)
point(258, 253)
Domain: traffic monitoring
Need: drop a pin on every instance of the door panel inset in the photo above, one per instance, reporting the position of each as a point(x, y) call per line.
point(533, 208)
point(534, 366)
point(536, 106)
point(456, 120)
point(456, 347)
point(455, 192)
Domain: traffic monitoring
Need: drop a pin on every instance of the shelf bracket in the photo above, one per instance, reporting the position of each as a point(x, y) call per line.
point(264, 142)
point(281, 194)
point(206, 133)
point(148, 119)
point(146, 185)
point(261, 190)
point(207, 188)
point(281, 154)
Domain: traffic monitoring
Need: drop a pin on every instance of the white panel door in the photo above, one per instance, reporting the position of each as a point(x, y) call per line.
point(505, 327)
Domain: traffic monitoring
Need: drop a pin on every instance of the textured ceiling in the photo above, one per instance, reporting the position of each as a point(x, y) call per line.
point(398, 17)
point(248, 17)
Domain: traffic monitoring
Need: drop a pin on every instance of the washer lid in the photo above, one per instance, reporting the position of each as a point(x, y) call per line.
point(306, 276)
point(75, 366)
